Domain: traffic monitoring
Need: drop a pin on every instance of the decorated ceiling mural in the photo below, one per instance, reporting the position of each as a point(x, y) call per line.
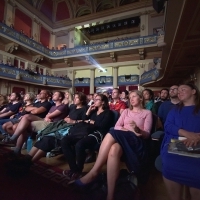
point(56, 10)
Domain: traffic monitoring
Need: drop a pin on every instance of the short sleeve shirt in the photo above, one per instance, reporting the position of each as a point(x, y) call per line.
point(44, 104)
point(63, 108)
point(13, 108)
point(117, 106)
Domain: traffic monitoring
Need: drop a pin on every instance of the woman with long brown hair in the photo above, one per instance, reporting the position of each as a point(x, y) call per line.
point(182, 121)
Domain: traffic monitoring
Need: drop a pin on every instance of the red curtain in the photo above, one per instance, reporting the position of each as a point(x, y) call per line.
point(23, 22)
point(122, 88)
point(2, 6)
point(15, 62)
point(133, 87)
point(44, 36)
point(85, 90)
point(18, 89)
point(22, 65)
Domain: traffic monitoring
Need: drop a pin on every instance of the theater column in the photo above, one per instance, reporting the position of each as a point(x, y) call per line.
point(52, 40)
point(44, 71)
point(92, 76)
point(35, 30)
point(71, 36)
point(144, 21)
point(115, 77)
point(71, 75)
point(9, 13)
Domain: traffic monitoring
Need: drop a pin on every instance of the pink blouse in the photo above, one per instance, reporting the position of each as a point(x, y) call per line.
point(142, 119)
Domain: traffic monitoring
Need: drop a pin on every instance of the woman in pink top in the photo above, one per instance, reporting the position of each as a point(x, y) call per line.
point(127, 139)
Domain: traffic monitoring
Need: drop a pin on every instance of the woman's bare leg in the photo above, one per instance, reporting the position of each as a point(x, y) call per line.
point(8, 127)
point(174, 189)
point(113, 167)
point(33, 151)
point(195, 193)
point(39, 154)
point(36, 154)
point(101, 159)
point(14, 127)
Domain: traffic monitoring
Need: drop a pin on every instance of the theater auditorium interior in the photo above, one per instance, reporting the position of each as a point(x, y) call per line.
point(93, 46)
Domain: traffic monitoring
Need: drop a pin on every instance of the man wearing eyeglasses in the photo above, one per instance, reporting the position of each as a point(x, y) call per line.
point(164, 110)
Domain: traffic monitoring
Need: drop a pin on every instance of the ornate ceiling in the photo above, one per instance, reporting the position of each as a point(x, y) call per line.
point(59, 13)
point(57, 10)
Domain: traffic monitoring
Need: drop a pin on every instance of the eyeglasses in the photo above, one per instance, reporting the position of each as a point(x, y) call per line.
point(97, 99)
point(173, 89)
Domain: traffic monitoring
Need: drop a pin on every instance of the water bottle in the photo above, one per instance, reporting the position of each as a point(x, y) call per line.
point(29, 144)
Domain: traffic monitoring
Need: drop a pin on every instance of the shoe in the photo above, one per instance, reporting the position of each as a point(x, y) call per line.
point(3, 136)
point(71, 175)
point(8, 142)
point(55, 152)
point(90, 158)
point(11, 155)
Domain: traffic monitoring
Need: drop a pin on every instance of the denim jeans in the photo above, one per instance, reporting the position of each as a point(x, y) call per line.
point(3, 121)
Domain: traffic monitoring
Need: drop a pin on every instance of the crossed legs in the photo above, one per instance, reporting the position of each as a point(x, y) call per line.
point(20, 133)
point(111, 152)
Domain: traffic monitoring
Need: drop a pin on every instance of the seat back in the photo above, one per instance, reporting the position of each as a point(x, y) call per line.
point(116, 116)
point(154, 123)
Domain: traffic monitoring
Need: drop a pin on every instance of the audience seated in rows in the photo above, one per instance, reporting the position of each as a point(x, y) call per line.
point(47, 143)
point(9, 125)
point(99, 119)
point(37, 112)
point(126, 140)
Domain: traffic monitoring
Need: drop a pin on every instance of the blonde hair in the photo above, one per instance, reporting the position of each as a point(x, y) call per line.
point(31, 96)
point(139, 94)
point(69, 100)
point(3, 100)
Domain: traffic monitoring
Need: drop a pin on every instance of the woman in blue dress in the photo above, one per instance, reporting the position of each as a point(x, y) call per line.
point(184, 121)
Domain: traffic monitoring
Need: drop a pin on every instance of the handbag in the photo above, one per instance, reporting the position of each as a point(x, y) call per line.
point(81, 130)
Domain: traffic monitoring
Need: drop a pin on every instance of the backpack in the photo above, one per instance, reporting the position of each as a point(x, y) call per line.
point(126, 186)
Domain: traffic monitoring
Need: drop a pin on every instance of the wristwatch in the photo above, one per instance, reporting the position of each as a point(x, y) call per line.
point(88, 121)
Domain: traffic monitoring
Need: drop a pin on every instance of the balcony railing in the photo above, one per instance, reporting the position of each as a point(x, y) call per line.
point(87, 49)
point(14, 73)
point(149, 76)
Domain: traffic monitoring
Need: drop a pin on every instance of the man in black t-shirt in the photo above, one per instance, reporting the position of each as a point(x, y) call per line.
point(37, 112)
point(12, 107)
